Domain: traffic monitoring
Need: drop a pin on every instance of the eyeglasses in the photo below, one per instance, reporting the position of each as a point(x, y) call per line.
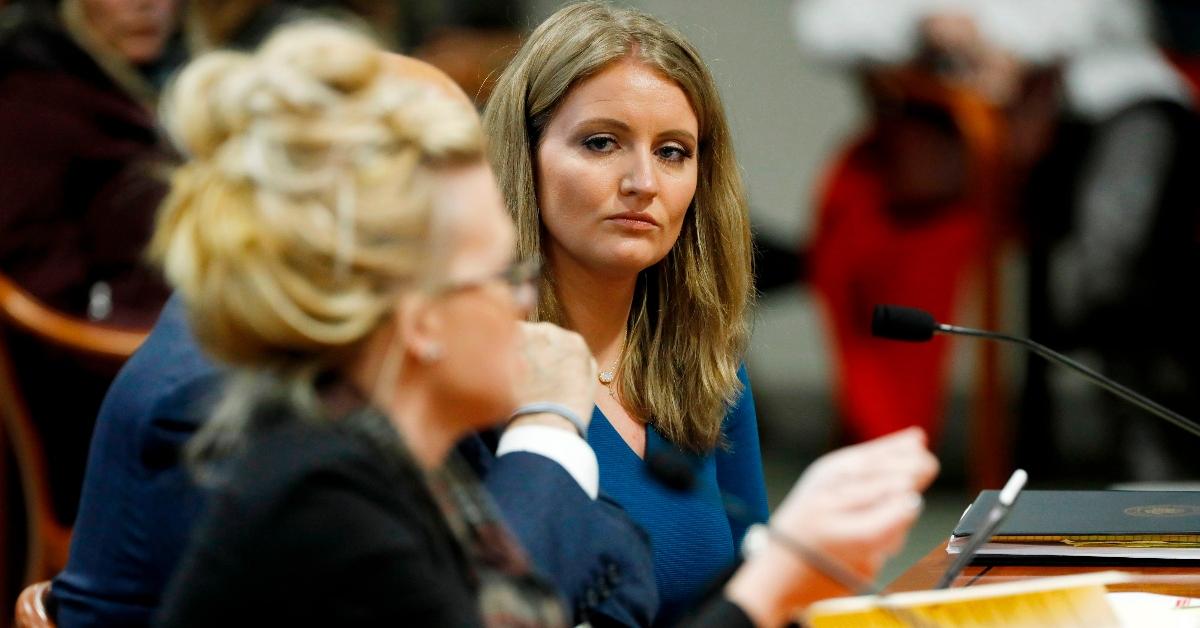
point(521, 277)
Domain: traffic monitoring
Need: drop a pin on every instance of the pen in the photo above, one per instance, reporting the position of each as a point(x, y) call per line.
point(995, 516)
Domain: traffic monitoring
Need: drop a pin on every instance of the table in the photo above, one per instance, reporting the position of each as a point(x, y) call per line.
point(1168, 580)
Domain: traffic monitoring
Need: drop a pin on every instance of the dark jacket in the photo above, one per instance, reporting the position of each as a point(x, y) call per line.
point(317, 526)
point(84, 170)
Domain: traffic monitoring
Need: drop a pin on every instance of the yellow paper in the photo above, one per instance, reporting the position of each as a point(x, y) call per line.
point(1066, 601)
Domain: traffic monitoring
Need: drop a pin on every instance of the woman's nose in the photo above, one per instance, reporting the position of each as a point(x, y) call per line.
point(640, 179)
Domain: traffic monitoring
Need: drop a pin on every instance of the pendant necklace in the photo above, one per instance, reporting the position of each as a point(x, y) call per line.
point(609, 375)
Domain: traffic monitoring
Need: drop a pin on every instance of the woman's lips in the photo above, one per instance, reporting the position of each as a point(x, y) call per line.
point(632, 220)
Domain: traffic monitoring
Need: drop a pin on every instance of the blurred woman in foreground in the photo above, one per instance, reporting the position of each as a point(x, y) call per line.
point(338, 234)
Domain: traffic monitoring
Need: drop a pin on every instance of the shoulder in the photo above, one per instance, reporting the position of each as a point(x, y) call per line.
point(294, 457)
point(164, 393)
point(741, 409)
point(319, 491)
point(303, 462)
point(325, 530)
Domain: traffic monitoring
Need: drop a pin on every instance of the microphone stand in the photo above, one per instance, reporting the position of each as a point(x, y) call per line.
point(1111, 386)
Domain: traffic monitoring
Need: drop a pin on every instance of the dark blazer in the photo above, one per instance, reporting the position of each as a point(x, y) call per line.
point(318, 526)
point(139, 506)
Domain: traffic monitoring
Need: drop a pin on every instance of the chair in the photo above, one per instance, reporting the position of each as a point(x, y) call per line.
point(48, 538)
point(31, 607)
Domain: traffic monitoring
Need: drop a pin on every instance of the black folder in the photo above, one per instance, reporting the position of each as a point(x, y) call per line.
point(1088, 526)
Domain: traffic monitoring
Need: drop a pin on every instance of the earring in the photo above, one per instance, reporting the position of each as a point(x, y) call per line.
point(431, 353)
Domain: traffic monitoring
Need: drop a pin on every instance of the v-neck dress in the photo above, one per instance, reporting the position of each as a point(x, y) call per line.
point(694, 534)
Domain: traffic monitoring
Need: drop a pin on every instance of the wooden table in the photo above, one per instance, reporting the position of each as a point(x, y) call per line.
point(1169, 580)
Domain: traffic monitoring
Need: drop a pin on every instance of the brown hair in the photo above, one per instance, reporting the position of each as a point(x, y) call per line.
point(688, 326)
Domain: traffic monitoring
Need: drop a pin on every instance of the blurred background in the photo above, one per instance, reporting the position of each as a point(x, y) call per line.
point(1014, 164)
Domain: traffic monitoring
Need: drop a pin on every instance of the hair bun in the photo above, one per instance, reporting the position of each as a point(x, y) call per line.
point(306, 203)
point(189, 111)
point(300, 69)
point(333, 55)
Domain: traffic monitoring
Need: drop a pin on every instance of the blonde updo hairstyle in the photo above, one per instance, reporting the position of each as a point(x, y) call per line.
point(305, 206)
point(688, 327)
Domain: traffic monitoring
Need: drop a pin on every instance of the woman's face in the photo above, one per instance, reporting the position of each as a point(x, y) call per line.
point(477, 314)
point(616, 170)
point(137, 29)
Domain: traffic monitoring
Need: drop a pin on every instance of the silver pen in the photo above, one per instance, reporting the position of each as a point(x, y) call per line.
point(995, 516)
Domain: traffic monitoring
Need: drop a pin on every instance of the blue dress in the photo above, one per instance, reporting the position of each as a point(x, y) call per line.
point(693, 535)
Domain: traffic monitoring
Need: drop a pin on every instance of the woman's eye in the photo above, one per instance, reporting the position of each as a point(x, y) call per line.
point(674, 153)
point(600, 143)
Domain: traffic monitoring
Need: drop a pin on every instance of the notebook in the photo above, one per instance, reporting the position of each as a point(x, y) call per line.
point(1101, 525)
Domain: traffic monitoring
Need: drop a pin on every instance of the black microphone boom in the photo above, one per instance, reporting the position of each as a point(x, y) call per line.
point(912, 325)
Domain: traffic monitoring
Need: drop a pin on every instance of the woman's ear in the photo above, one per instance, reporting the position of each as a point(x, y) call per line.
point(421, 328)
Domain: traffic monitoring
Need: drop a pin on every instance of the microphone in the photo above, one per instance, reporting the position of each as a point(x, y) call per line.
point(908, 324)
point(673, 470)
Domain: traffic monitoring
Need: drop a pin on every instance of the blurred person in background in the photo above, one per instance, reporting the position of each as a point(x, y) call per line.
point(343, 242)
point(1112, 213)
point(83, 161)
point(1094, 128)
point(83, 172)
point(963, 98)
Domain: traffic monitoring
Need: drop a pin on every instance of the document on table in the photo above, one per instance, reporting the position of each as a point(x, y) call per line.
point(1076, 601)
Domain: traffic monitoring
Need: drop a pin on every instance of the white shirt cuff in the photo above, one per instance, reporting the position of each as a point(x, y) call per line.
point(570, 451)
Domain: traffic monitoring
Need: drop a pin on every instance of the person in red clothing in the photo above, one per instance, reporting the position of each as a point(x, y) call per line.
point(872, 249)
point(904, 215)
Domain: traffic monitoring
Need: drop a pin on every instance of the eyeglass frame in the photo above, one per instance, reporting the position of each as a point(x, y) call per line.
point(518, 275)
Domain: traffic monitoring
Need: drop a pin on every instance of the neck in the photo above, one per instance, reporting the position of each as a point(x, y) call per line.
point(423, 429)
point(597, 307)
point(395, 385)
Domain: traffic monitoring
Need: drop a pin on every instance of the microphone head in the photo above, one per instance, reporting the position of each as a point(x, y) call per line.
point(896, 322)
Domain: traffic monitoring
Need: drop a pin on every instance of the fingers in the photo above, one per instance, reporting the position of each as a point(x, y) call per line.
point(560, 368)
point(864, 495)
point(904, 439)
point(901, 457)
point(884, 529)
point(875, 529)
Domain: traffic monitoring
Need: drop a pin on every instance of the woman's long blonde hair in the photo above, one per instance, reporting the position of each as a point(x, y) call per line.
point(688, 327)
point(305, 205)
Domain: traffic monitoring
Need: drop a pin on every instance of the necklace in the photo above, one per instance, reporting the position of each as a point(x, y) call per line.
point(607, 376)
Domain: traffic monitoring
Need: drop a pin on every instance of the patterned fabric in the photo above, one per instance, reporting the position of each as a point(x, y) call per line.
point(510, 594)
